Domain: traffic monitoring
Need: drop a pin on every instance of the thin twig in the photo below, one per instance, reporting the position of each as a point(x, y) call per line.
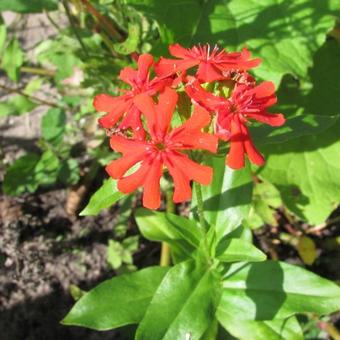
point(103, 21)
point(33, 98)
point(321, 226)
point(74, 28)
point(51, 20)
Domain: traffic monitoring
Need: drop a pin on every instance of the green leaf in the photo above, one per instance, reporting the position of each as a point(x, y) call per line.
point(307, 173)
point(265, 199)
point(103, 198)
point(20, 175)
point(31, 6)
point(3, 35)
point(183, 305)
point(69, 172)
point(16, 105)
point(296, 127)
point(131, 43)
point(235, 249)
point(227, 200)
point(268, 290)
point(285, 34)
point(47, 169)
point(181, 233)
point(310, 96)
point(116, 302)
point(53, 125)
point(288, 329)
point(176, 19)
point(12, 59)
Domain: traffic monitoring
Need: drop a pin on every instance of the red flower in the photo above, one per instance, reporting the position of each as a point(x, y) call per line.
point(162, 149)
point(117, 107)
point(212, 64)
point(246, 102)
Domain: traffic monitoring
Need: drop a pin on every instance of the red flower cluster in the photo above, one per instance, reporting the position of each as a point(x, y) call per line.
point(144, 116)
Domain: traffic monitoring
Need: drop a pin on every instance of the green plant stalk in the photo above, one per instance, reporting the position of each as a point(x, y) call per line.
point(165, 250)
point(74, 28)
point(200, 207)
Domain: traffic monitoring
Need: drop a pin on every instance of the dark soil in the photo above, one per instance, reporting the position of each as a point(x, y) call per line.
point(42, 252)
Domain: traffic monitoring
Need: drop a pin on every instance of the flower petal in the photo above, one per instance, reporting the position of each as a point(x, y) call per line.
point(235, 158)
point(106, 103)
point(125, 145)
point(179, 51)
point(182, 188)
point(110, 119)
point(273, 119)
point(165, 108)
point(146, 104)
point(166, 67)
point(199, 95)
point(151, 194)
point(132, 182)
point(117, 168)
point(128, 75)
point(207, 72)
point(253, 154)
point(144, 63)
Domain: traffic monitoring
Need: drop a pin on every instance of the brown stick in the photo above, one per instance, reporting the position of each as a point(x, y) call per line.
point(34, 98)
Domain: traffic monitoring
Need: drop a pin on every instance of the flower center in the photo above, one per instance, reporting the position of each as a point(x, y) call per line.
point(160, 146)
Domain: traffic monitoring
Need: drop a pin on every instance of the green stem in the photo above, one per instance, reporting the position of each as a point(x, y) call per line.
point(33, 98)
point(74, 28)
point(38, 71)
point(200, 207)
point(165, 251)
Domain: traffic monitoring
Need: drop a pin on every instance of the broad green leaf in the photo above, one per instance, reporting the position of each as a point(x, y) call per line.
point(307, 173)
point(20, 175)
point(285, 34)
point(103, 198)
point(12, 59)
point(47, 169)
point(181, 233)
point(287, 329)
point(296, 127)
point(131, 43)
point(177, 19)
point(116, 302)
point(31, 6)
point(16, 105)
point(235, 249)
point(183, 305)
point(227, 200)
point(311, 96)
point(268, 290)
point(53, 125)
point(69, 172)
point(266, 198)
